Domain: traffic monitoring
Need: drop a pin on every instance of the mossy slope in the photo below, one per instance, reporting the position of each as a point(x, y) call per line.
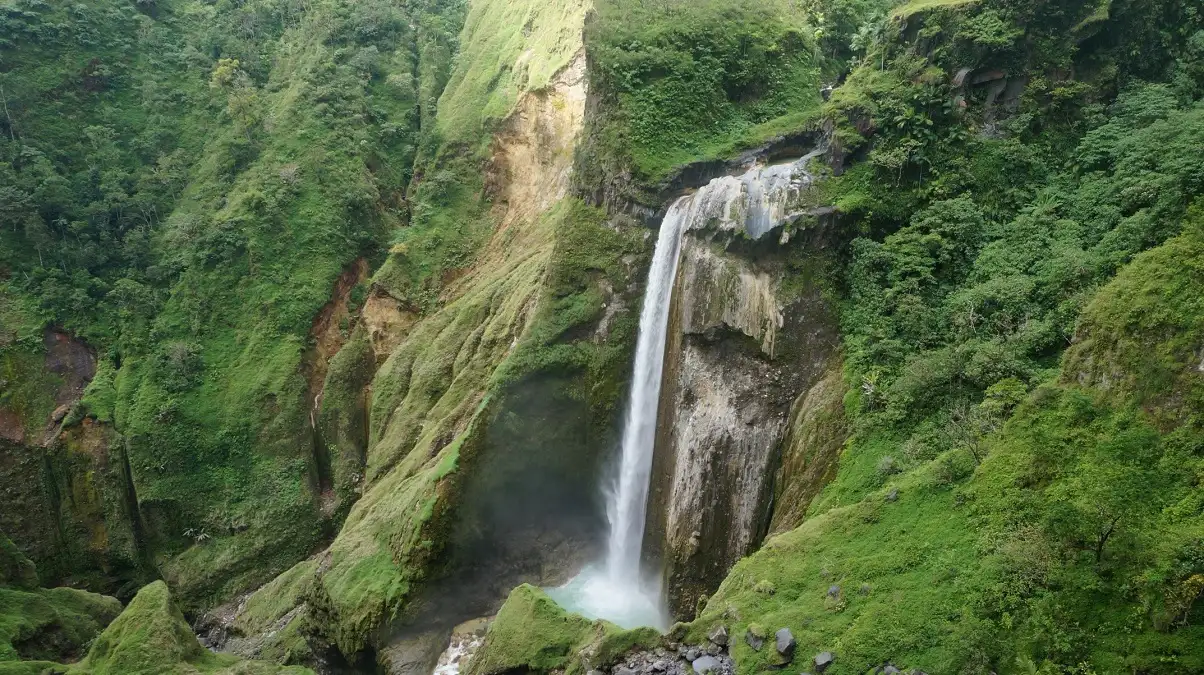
point(44, 624)
point(151, 636)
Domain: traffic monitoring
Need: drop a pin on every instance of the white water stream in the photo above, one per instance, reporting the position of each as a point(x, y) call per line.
point(617, 589)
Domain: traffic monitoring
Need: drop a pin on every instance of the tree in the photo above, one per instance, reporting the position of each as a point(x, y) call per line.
point(242, 99)
point(1111, 486)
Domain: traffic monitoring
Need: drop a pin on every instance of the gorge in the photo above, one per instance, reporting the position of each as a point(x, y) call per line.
point(601, 337)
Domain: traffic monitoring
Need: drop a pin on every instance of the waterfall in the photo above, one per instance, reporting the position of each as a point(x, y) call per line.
point(617, 590)
point(754, 203)
point(628, 499)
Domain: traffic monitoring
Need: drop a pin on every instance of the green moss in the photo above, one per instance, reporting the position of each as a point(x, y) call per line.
point(151, 636)
point(29, 389)
point(271, 602)
point(916, 562)
point(100, 397)
point(909, 9)
point(531, 632)
point(31, 668)
point(343, 418)
point(54, 624)
point(277, 614)
point(811, 450)
point(1140, 336)
point(16, 570)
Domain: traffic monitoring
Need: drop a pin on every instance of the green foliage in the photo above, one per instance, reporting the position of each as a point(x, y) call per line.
point(1083, 506)
point(1022, 332)
point(952, 303)
point(182, 187)
point(696, 80)
point(1138, 336)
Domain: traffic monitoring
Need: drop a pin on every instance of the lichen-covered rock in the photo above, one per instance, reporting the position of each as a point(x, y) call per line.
point(151, 637)
point(810, 450)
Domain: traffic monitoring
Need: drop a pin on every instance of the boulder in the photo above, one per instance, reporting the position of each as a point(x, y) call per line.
point(823, 660)
point(834, 591)
point(755, 641)
point(706, 664)
point(624, 670)
point(719, 635)
point(785, 643)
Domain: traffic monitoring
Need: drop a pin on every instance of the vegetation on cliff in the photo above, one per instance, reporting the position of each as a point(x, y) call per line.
point(1021, 489)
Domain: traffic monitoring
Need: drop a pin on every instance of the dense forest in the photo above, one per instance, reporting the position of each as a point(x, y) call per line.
point(316, 318)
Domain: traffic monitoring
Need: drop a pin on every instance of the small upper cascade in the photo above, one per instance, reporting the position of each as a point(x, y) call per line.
point(755, 202)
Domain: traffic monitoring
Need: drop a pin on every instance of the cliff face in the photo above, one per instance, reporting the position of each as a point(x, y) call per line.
point(751, 332)
point(68, 491)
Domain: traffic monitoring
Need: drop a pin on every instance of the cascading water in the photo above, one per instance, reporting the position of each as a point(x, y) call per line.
point(616, 589)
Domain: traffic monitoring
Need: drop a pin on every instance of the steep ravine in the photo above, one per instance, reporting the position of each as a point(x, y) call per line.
point(467, 487)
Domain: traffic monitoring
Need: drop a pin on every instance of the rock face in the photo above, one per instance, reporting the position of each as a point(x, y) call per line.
point(750, 331)
point(811, 448)
point(69, 497)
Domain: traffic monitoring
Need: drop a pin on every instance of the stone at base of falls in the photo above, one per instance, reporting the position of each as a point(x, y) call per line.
point(823, 660)
point(785, 643)
point(718, 635)
point(705, 664)
point(754, 638)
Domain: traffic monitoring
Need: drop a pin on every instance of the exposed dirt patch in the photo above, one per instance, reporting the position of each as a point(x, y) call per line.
point(70, 359)
point(331, 327)
point(388, 322)
point(11, 428)
point(532, 155)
